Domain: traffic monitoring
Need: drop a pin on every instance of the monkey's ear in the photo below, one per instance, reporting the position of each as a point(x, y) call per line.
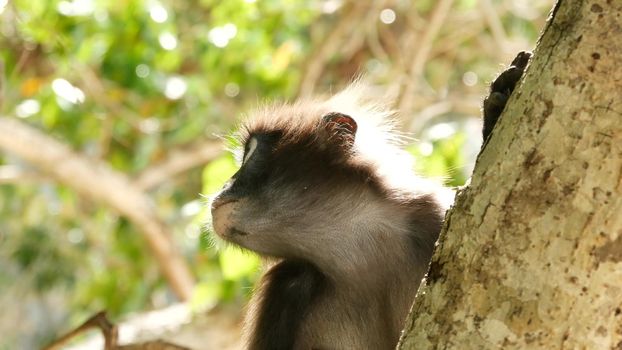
point(341, 126)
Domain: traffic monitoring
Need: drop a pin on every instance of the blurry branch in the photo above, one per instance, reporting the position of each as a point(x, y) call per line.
point(352, 14)
point(356, 26)
point(428, 113)
point(375, 46)
point(175, 327)
point(365, 29)
point(110, 332)
point(96, 89)
point(10, 174)
point(494, 22)
point(391, 45)
point(99, 320)
point(421, 45)
point(469, 30)
point(152, 345)
point(98, 182)
point(456, 103)
point(2, 83)
point(177, 162)
point(21, 63)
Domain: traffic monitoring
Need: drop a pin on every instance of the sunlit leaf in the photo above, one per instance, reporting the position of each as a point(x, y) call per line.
point(217, 172)
point(236, 264)
point(206, 294)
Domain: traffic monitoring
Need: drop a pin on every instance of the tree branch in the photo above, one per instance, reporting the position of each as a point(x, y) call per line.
point(494, 23)
point(99, 182)
point(99, 320)
point(2, 83)
point(423, 45)
point(110, 333)
point(352, 13)
point(10, 174)
point(177, 162)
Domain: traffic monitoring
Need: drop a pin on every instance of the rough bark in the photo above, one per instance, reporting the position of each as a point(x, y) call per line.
point(98, 182)
point(531, 254)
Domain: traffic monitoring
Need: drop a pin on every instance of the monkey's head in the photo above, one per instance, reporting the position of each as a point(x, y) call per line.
point(309, 172)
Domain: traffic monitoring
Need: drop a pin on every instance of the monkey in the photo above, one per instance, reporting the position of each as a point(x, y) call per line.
point(500, 91)
point(326, 193)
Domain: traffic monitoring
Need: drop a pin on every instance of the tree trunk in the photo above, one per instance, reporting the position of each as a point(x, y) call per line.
point(531, 254)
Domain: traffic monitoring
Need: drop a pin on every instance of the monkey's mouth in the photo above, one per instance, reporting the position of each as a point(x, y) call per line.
point(220, 201)
point(235, 232)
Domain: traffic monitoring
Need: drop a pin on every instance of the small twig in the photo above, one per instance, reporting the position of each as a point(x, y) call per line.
point(423, 44)
point(429, 113)
point(391, 45)
point(367, 25)
point(99, 320)
point(152, 345)
point(2, 83)
point(352, 13)
point(375, 46)
point(177, 162)
point(95, 88)
point(21, 62)
point(111, 337)
point(371, 30)
point(494, 23)
point(450, 42)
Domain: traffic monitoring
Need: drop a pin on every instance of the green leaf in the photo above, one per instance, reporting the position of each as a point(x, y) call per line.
point(217, 172)
point(205, 294)
point(236, 264)
point(466, 4)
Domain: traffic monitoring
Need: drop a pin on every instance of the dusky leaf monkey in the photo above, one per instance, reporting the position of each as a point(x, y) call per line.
point(326, 192)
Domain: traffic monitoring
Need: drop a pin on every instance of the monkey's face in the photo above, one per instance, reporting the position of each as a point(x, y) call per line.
point(293, 189)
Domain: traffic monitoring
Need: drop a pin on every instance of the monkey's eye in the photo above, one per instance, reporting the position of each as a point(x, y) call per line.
point(251, 146)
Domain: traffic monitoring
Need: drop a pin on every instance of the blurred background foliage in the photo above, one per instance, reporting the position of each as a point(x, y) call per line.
point(135, 83)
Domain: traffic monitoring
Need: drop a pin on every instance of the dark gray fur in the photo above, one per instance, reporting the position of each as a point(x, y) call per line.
point(350, 227)
point(333, 201)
